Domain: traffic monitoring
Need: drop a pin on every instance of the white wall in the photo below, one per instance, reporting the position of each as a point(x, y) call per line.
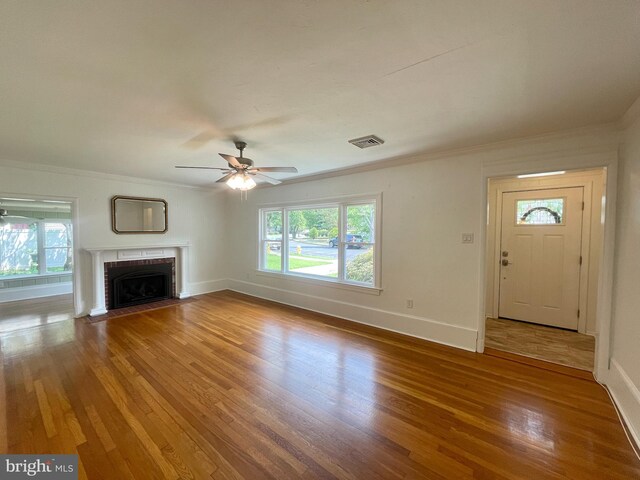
point(426, 207)
point(196, 216)
point(428, 202)
point(624, 379)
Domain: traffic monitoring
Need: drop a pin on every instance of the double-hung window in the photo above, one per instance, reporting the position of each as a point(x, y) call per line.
point(35, 247)
point(337, 241)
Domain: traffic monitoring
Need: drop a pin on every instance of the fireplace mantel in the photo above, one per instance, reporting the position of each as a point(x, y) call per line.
point(100, 255)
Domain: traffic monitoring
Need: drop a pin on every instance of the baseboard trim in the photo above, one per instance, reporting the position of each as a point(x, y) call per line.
point(627, 397)
point(35, 291)
point(209, 286)
point(419, 327)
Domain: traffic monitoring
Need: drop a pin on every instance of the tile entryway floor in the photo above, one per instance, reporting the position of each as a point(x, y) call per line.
point(544, 343)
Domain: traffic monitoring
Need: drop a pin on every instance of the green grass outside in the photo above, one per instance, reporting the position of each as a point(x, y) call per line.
point(273, 262)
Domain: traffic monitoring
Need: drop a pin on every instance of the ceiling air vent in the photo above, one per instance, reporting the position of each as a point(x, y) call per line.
point(366, 142)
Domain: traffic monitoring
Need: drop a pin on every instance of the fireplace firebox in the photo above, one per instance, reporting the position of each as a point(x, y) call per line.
point(135, 282)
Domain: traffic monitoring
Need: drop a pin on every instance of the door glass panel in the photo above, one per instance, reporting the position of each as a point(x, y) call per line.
point(546, 211)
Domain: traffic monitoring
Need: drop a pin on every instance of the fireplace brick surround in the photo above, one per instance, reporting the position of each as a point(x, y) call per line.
point(104, 257)
point(137, 263)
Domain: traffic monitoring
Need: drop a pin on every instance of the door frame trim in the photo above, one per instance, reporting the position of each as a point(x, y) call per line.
point(606, 159)
point(76, 280)
point(585, 242)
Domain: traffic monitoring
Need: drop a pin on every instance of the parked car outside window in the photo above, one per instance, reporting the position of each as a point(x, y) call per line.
point(351, 238)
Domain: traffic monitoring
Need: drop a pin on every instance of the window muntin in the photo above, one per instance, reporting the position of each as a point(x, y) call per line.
point(546, 211)
point(334, 242)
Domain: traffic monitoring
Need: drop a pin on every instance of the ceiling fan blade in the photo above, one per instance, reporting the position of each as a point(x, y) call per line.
point(231, 160)
point(204, 168)
point(272, 181)
point(276, 169)
point(226, 177)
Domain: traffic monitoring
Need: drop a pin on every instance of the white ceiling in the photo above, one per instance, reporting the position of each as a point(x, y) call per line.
point(124, 86)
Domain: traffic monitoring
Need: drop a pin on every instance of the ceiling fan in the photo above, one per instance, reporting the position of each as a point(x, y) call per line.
point(241, 170)
point(6, 218)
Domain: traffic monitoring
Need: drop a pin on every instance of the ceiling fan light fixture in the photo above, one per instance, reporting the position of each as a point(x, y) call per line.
point(241, 181)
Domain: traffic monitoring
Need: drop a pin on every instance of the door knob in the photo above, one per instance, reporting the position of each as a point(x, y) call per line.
point(505, 262)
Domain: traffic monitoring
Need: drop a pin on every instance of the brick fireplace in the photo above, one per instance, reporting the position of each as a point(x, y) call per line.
point(134, 282)
point(173, 259)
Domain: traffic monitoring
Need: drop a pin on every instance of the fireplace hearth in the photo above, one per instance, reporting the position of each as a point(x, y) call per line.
point(132, 283)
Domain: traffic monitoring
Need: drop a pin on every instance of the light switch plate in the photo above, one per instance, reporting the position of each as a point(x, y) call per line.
point(467, 238)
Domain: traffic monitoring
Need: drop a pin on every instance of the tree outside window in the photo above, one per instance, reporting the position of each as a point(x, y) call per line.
point(35, 248)
point(333, 241)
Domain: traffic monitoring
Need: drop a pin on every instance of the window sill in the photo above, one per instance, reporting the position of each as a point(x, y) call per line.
point(33, 275)
point(297, 277)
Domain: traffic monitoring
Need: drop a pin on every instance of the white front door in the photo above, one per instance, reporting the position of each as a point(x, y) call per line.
point(540, 256)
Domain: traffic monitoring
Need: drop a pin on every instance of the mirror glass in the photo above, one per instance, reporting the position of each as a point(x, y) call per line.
point(138, 215)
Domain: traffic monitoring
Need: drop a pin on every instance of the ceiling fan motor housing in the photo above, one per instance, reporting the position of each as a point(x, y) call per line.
point(244, 161)
point(240, 145)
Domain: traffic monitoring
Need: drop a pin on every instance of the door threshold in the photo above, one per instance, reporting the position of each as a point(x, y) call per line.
point(543, 364)
point(539, 324)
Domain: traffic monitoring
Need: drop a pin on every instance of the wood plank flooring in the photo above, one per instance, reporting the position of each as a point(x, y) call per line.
point(234, 387)
point(550, 344)
point(38, 311)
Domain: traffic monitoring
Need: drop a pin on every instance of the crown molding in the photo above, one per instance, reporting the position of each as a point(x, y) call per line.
point(609, 133)
point(550, 138)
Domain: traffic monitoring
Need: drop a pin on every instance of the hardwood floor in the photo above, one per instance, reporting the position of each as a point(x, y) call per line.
point(35, 312)
point(556, 345)
point(234, 387)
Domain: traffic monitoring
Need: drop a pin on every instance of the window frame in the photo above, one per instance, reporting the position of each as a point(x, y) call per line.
point(263, 240)
point(42, 249)
point(341, 203)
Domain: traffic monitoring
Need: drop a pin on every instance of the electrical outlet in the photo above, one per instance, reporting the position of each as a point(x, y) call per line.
point(467, 238)
point(409, 303)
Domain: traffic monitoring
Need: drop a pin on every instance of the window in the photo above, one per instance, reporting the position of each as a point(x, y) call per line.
point(35, 248)
point(57, 247)
point(272, 241)
point(336, 241)
point(548, 211)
